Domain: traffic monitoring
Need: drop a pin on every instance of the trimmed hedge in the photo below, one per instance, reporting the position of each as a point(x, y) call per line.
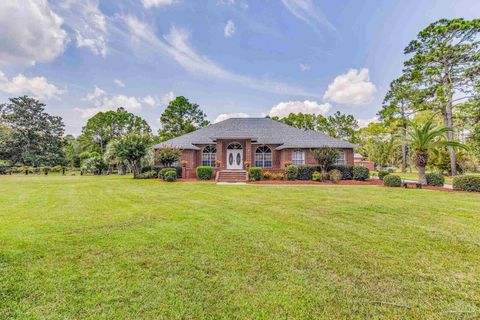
point(347, 171)
point(467, 183)
point(306, 172)
point(382, 174)
point(255, 173)
point(163, 171)
point(360, 173)
point(148, 175)
point(158, 169)
point(435, 179)
point(171, 176)
point(291, 172)
point(204, 172)
point(392, 180)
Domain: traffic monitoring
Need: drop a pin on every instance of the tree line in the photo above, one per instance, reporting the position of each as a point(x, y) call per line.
point(429, 116)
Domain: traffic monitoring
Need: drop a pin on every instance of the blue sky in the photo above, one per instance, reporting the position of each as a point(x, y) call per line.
point(232, 57)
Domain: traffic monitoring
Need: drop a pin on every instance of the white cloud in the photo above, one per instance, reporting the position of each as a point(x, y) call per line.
point(230, 29)
point(176, 44)
point(88, 23)
point(111, 103)
point(225, 116)
point(306, 11)
point(149, 101)
point(362, 123)
point(304, 67)
point(157, 3)
point(30, 32)
point(167, 97)
point(119, 83)
point(353, 87)
point(283, 109)
point(35, 86)
point(97, 93)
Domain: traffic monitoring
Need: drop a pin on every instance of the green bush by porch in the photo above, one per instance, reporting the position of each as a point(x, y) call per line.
point(204, 172)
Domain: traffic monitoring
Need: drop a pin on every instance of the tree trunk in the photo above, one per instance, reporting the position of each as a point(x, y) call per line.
point(421, 176)
point(404, 158)
point(448, 116)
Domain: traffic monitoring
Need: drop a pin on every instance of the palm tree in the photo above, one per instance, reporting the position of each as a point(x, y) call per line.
point(424, 139)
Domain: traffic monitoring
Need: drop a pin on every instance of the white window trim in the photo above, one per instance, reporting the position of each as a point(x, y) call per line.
point(342, 159)
point(298, 161)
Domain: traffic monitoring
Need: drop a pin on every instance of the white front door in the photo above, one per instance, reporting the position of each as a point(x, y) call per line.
point(234, 159)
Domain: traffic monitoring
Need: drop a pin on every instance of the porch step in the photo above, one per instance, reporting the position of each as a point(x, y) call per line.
point(232, 176)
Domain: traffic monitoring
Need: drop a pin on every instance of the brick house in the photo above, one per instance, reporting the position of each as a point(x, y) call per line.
point(261, 141)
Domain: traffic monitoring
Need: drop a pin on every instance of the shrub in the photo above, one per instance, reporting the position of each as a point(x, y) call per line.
point(467, 183)
point(291, 172)
point(278, 176)
point(360, 173)
point(25, 169)
point(435, 179)
point(45, 170)
point(319, 176)
point(204, 172)
point(382, 174)
point(255, 173)
point(267, 175)
point(170, 176)
point(148, 175)
point(58, 168)
point(163, 171)
point(347, 171)
point(392, 180)
point(305, 172)
point(335, 175)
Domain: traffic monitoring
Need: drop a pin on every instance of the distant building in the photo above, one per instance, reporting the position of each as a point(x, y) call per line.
point(359, 160)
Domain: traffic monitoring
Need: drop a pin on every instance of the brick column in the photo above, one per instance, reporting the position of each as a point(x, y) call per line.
point(248, 152)
point(220, 153)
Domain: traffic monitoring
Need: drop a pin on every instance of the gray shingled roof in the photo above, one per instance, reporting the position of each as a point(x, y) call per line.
point(260, 130)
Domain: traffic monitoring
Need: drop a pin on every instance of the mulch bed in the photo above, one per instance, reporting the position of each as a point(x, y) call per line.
point(370, 182)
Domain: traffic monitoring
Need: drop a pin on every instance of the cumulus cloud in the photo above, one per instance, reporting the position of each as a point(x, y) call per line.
point(362, 123)
point(167, 97)
point(176, 45)
point(225, 116)
point(157, 3)
point(30, 32)
point(229, 29)
point(306, 11)
point(149, 101)
point(283, 109)
point(88, 23)
point(353, 87)
point(38, 87)
point(97, 93)
point(119, 83)
point(111, 103)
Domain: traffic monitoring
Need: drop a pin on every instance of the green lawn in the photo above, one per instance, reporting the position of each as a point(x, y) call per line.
point(117, 248)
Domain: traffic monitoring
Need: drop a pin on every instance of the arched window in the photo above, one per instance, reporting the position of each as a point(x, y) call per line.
point(235, 146)
point(263, 157)
point(208, 156)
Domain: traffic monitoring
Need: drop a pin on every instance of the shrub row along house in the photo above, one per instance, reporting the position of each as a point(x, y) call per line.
point(233, 145)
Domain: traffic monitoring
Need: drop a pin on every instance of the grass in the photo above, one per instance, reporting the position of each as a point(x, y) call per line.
point(117, 248)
